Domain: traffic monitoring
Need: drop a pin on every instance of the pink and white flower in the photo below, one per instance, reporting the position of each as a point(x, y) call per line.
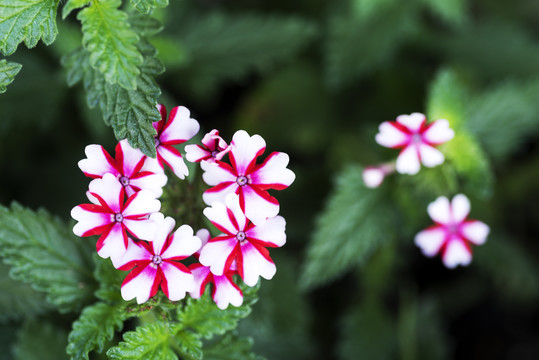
point(127, 167)
point(453, 233)
point(224, 290)
point(178, 129)
point(373, 176)
point(248, 179)
point(417, 139)
point(213, 148)
point(241, 241)
point(111, 217)
point(156, 264)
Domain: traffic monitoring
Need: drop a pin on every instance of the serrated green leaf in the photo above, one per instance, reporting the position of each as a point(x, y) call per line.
point(223, 47)
point(44, 252)
point(19, 300)
point(144, 25)
point(230, 347)
point(72, 5)
point(28, 21)
point(8, 71)
point(111, 42)
point(354, 223)
point(40, 340)
point(96, 325)
point(447, 97)
point(110, 280)
point(147, 342)
point(146, 6)
point(190, 345)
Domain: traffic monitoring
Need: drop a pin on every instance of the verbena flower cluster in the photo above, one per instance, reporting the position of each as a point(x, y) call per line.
point(124, 211)
point(453, 234)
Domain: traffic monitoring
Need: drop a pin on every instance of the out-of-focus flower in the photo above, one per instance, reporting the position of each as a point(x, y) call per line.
point(213, 148)
point(112, 217)
point(453, 234)
point(417, 139)
point(373, 176)
point(127, 167)
point(156, 264)
point(248, 179)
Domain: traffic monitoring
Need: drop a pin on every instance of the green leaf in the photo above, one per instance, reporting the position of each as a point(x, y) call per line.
point(111, 42)
point(355, 222)
point(447, 98)
point(453, 12)
point(40, 340)
point(146, 6)
point(8, 71)
point(96, 325)
point(72, 5)
point(229, 47)
point(28, 21)
point(43, 252)
point(230, 347)
point(18, 300)
point(147, 342)
point(110, 280)
point(190, 345)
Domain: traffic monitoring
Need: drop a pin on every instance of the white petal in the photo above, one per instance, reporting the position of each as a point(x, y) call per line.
point(216, 253)
point(195, 153)
point(390, 136)
point(456, 253)
point(217, 173)
point(174, 160)
point(134, 252)
point(440, 211)
point(226, 293)
point(97, 162)
point(430, 241)
point(140, 286)
point(460, 208)
point(259, 205)
point(219, 193)
point(218, 215)
point(88, 220)
point(255, 265)
point(408, 161)
point(152, 182)
point(163, 228)
point(271, 231)
point(213, 141)
point(373, 176)
point(144, 229)
point(200, 274)
point(273, 172)
point(152, 165)
point(430, 157)
point(412, 121)
point(109, 189)
point(183, 243)
point(141, 203)
point(180, 127)
point(475, 231)
point(113, 245)
point(439, 132)
point(204, 236)
point(245, 150)
point(131, 157)
point(178, 282)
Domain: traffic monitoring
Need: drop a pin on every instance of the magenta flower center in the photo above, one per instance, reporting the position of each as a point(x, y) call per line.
point(157, 259)
point(242, 180)
point(417, 138)
point(118, 217)
point(453, 229)
point(240, 236)
point(214, 153)
point(157, 142)
point(124, 180)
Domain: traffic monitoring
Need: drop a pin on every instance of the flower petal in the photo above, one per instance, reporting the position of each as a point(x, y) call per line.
point(204, 236)
point(90, 219)
point(140, 204)
point(270, 233)
point(408, 161)
point(163, 228)
point(202, 276)
point(98, 162)
point(130, 160)
point(259, 205)
point(217, 173)
point(216, 253)
point(183, 243)
point(139, 283)
point(440, 211)
point(245, 150)
point(219, 215)
point(438, 132)
point(373, 176)
point(273, 174)
point(475, 231)
point(153, 182)
point(226, 292)
point(390, 136)
point(143, 229)
point(255, 265)
point(460, 208)
point(179, 127)
point(430, 157)
point(430, 240)
point(196, 153)
point(413, 121)
point(177, 280)
point(456, 253)
point(172, 157)
point(109, 189)
point(136, 252)
point(113, 244)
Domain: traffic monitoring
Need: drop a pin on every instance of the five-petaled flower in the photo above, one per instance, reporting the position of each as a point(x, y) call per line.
point(248, 179)
point(178, 129)
point(453, 234)
point(156, 264)
point(241, 241)
point(127, 167)
point(417, 139)
point(213, 148)
point(111, 216)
